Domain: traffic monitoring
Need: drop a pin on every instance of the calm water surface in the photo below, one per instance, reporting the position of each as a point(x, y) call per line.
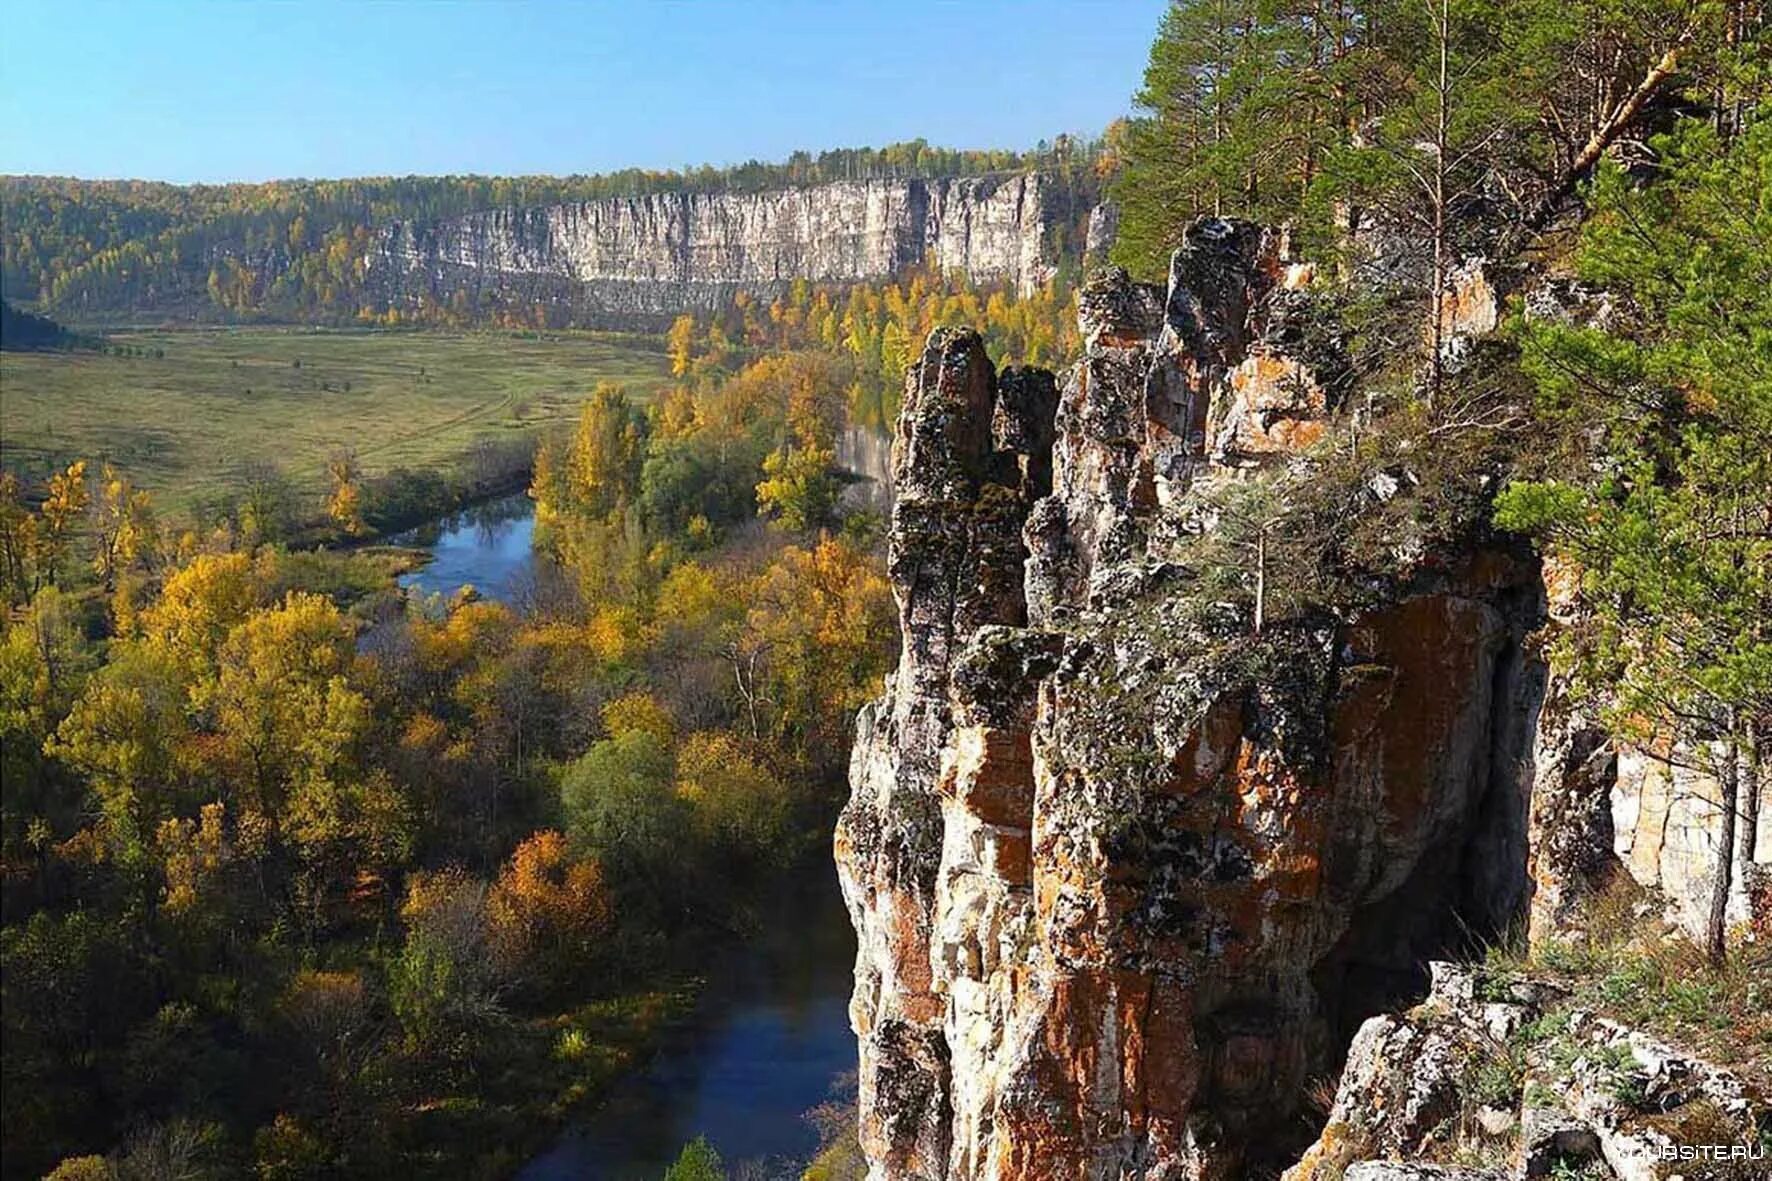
point(769, 1042)
point(769, 1039)
point(490, 547)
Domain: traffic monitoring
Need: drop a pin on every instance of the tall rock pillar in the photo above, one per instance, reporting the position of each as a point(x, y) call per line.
point(967, 454)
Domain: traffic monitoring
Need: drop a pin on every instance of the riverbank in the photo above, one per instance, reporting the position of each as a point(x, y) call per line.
point(767, 1042)
point(488, 546)
point(736, 1038)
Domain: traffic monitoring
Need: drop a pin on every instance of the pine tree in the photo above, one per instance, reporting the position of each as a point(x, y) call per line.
point(1672, 527)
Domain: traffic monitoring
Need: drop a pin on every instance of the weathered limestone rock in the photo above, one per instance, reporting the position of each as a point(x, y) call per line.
point(1100, 234)
point(955, 559)
point(1127, 872)
point(1665, 835)
point(1099, 437)
point(644, 259)
point(1551, 1137)
point(1399, 1171)
point(1642, 1098)
point(1268, 851)
point(1404, 1086)
point(1571, 861)
point(1605, 816)
point(1470, 309)
point(1593, 1099)
point(1228, 367)
point(1159, 866)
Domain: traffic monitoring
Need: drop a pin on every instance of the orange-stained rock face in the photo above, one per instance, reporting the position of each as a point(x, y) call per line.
point(1275, 407)
point(1102, 1074)
point(1123, 877)
point(1562, 587)
point(1470, 306)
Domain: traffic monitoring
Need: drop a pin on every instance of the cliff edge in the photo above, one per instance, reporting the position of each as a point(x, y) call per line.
point(1130, 857)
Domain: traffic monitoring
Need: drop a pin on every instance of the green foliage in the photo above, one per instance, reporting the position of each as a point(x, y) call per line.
point(227, 763)
point(1497, 1081)
point(620, 808)
point(1637, 972)
point(444, 984)
point(697, 476)
point(1242, 103)
point(799, 488)
point(697, 1162)
point(1666, 412)
point(1343, 118)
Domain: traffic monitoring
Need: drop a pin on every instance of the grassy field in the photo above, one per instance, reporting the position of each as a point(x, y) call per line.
point(182, 423)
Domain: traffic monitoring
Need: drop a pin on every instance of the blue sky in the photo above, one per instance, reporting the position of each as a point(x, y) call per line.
point(253, 91)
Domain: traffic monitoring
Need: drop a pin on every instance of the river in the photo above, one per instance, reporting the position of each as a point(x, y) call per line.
point(770, 1037)
point(769, 1041)
point(490, 547)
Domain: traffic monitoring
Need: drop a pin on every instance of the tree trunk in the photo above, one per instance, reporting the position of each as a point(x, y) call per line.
point(1622, 118)
point(1728, 786)
point(1260, 577)
point(1750, 807)
point(1443, 98)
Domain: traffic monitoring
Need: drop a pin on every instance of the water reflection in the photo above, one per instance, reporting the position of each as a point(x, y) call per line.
point(490, 546)
point(768, 1044)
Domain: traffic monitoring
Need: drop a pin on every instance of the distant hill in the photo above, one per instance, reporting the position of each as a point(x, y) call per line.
point(298, 250)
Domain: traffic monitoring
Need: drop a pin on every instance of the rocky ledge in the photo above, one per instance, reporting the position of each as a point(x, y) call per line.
point(1498, 1067)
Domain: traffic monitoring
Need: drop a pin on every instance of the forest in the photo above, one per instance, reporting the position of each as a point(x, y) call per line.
point(879, 329)
point(442, 864)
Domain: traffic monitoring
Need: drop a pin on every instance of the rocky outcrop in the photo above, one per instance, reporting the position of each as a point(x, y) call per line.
point(1502, 1069)
point(955, 554)
point(1125, 875)
point(1610, 817)
point(1128, 868)
point(1099, 236)
point(639, 260)
point(864, 455)
point(1665, 835)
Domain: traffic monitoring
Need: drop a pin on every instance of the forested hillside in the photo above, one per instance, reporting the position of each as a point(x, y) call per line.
point(295, 249)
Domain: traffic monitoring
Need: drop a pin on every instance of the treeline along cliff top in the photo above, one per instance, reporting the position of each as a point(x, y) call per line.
point(301, 250)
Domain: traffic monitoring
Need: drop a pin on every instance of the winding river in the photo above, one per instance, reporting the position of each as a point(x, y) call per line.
point(769, 1039)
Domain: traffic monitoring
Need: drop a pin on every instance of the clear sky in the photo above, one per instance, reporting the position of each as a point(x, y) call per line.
point(247, 90)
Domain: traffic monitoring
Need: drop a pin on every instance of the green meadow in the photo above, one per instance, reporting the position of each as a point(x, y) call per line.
point(186, 411)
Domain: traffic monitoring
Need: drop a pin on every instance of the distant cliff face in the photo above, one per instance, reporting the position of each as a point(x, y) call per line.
point(640, 260)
